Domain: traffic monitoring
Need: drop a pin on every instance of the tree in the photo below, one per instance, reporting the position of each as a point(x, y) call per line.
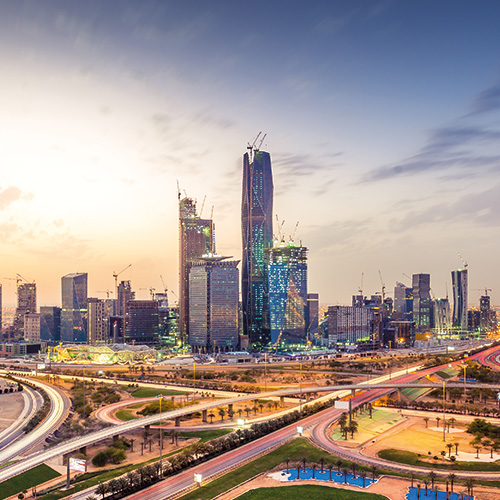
point(339, 464)
point(432, 477)
point(222, 413)
point(330, 467)
point(426, 420)
point(102, 489)
point(450, 447)
point(451, 478)
point(374, 471)
point(354, 466)
point(322, 463)
point(353, 427)
point(455, 444)
point(452, 421)
point(469, 483)
point(363, 476)
point(426, 484)
point(287, 461)
point(438, 419)
point(247, 411)
point(211, 416)
point(344, 471)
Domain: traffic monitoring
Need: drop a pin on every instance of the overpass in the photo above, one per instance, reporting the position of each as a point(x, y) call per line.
point(80, 443)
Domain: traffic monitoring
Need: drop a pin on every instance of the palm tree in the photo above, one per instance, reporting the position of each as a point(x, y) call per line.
point(426, 483)
point(363, 476)
point(452, 421)
point(261, 406)
point(353, 427)
point(304, 461)
point(314, 470)
point(455, 444)
point(477, 447)
point(451, 478)
point(432, 476)
point(102, 489)
point(211, 416)
point(247, 410)
point(330, 467)
point(412, 476)
point(339, 464)
point(240, 412)
point(437, 422)
point(354, 467)
point(344, 471)
point(470, 482)
point(322, 463)
point(298, 471)
point(287, 461)
point(426, 420)
point(222, 413)
point(374, 471)
point(449, 446)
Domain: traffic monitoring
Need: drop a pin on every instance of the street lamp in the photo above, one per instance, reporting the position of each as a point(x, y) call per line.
point(160, 398)
point(444, 410)
point(464, 366)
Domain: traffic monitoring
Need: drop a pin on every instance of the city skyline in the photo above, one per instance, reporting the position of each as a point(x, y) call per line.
point(382, 123)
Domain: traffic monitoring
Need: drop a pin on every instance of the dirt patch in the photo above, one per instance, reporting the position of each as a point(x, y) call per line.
point(11, 406)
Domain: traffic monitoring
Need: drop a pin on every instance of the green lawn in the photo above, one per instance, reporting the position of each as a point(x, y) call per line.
point(125, 415)
point(146, 392)
point(294, 450)
point(206, 435)
point(27, 480)
point(410, 458)
point(311, 492)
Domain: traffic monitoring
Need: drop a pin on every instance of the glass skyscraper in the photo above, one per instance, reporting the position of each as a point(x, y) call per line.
point(195, 240)
point(74, 308)
point(257, 235)
point(460, 299)
point(422, 307)
point(213, 304)
point(285, 292)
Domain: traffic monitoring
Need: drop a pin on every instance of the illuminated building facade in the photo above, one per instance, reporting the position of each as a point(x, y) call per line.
point(422, 306)
point(442, 316)
point(460, 299)
point(403, 302)
point(285, 292)
point(97, 324)
point(32, 327)
point(312, 316)
point(74, 308)
point(257, 235)
point(125, 294)
point(195, 239)
point(213, 304)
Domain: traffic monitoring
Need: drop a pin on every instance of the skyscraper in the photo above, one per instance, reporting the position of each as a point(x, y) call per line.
point(195, 240)
point(460, 299)
point(50, 324)
point(285, 293)
point(26, 303)
point(422, 307)
point(125, 294)
point(257, 235)
point(213, 304)
point(74, 308)
point(141, 322)
point(97, 326)
point(312, 316)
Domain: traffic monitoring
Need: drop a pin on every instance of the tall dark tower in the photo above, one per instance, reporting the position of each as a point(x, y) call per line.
point(195, 240)
point(257, 233)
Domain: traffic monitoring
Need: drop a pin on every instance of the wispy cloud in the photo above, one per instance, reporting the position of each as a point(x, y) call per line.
point(11, 194)
point(486, 101)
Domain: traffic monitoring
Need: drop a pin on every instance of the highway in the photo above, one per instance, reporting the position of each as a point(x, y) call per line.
point(32, 403)
point(58, 411)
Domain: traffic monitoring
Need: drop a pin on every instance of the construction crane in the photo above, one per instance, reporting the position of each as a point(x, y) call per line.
point(463, 260)
point(383, 286)
point(292, 236)
point(360, 289)
point(202, 206)
point(260, 143)
point(20, 278)
point(251, 147)
point(280, 227)
point(107, 292)
point(486, 290)
point(151, 291)
point(115, 276)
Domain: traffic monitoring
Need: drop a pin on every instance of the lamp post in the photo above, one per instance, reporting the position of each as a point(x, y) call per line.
point(464, 366)
point(160, 397)
point(265, 372)
point(444, 411)
point(194, 373)
point(300, 387)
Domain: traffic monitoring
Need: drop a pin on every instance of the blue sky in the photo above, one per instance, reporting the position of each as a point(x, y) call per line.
point(382, 120)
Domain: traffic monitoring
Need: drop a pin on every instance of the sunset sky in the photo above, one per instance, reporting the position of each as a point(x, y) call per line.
point(382, 121)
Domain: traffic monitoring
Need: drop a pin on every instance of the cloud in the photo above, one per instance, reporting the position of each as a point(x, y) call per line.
point(12, 194)
point(486, 101)
point(447, 147)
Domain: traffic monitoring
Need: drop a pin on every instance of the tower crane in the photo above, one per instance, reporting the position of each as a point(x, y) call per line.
point(260, 143)
point(251, 147)
point(486, 290)
point(107, 292)
point(115, 276)
point(292, 236)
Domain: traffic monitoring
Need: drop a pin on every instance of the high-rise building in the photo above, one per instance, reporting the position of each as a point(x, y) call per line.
point(312, 316)
point(32, 327)
point(50, 324)
point(442, 316)
point(141, 322)
point(403, 302)
point(97, 326)
point(257, 235)
point(285, 293)
point(460, 299)
point(26, 303)
point(125, 294)
point(74, 308)
point(195, 240)
point(487, 315)
point(213, 304)
point(422, 307)
point(351, 324)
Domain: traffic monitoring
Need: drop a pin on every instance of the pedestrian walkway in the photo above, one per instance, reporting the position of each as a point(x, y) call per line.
point(326, 475)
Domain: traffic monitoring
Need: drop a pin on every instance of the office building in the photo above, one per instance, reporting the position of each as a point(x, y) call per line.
point(403, 302)
point(349, 325)
point(74, 308)
point(487, 315)
point(26, 303)
point(285, 293)
point(195, 240)
point(257, 235)
point(442, 317)
point(312, 316)
point(141, 322)
point(32, 327)
point(97, 324)
point(422, 307)
point(460, 299)
point(213, 304)
point(50, 324)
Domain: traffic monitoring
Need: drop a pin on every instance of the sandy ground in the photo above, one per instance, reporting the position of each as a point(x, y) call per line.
point(11, 406)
